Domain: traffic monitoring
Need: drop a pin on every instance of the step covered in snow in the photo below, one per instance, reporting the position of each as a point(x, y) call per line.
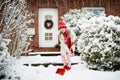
point(39, 60)
point(44, 53)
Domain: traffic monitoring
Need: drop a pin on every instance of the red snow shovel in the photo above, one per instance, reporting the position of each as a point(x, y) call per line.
point(60, 71)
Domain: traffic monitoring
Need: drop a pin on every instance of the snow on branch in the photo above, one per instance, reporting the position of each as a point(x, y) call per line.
point(15, 20)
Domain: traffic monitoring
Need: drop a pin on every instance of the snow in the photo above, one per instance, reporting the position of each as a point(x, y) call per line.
point(77, 72)
point(45, 59)
point(99, 35)
point(118, 28)
point(44, 52)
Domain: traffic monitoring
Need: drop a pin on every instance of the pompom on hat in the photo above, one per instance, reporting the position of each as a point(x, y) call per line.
point(62, 25)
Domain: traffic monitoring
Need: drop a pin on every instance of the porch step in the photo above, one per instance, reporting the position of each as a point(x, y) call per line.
point(45, 60)
point(48, 54)
point(44, 53)
point(47, 64)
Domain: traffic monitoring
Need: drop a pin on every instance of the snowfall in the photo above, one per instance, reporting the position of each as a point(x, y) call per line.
point(77, 72)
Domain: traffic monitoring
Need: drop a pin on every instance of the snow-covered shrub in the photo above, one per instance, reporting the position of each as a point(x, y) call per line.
point(15, 20)
point(5, 72)
point(99, 42)
point(72, 17)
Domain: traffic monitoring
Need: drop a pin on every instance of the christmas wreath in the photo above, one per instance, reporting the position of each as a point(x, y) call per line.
point(48, 24)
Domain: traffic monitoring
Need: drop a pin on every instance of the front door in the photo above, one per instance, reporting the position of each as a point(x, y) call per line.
point(48, 27)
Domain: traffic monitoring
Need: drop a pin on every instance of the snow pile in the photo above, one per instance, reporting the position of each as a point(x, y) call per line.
point(78, 72)
point(99, 41)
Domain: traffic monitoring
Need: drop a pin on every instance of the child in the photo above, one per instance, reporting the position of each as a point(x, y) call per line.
point(67, 44)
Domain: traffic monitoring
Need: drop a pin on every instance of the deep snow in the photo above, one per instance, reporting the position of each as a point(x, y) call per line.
point(78, 72)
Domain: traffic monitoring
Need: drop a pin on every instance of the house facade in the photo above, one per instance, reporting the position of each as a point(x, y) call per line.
point(47, 14)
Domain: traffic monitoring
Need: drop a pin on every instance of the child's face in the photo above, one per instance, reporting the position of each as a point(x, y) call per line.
point(62, 30)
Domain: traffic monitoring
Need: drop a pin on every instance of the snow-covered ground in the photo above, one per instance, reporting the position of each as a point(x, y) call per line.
point(78, 72)
point(45, 59)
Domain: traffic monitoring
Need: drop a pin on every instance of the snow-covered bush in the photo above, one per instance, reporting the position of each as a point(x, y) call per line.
point(15, 18)
point(99, 42)
point(72, 17)
point(6, 72)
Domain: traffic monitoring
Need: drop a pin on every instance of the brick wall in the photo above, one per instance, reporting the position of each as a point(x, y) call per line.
point(111, 8)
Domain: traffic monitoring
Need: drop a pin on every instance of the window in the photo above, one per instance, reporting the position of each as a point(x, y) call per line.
point(48, 36)
point(48, 17)
point(96, 10)
point(31, 31)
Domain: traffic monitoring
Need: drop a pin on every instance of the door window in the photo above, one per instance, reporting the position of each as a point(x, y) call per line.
point(48, 36)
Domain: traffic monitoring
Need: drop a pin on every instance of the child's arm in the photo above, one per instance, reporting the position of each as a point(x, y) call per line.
point(63, 45)
point(73, 40)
